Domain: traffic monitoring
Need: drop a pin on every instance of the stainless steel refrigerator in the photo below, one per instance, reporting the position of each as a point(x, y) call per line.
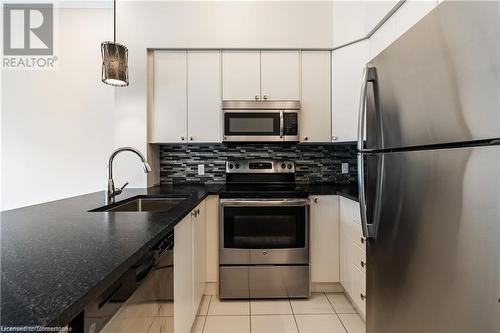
point(429, 174)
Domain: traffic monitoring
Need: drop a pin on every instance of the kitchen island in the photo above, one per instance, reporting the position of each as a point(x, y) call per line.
point(58, 256)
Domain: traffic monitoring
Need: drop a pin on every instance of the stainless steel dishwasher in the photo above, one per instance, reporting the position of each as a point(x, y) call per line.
point(150, 280)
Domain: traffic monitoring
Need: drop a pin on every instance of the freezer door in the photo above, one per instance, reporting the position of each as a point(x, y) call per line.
point(440, 81)
point(433, 264)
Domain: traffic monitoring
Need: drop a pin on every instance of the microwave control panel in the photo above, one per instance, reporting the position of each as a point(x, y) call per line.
point(290, 123)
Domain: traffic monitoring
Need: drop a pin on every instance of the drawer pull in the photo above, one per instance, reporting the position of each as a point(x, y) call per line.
point(363, 297)
point(363, 264)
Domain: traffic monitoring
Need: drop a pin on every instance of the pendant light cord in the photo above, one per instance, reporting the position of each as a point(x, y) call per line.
point(114, 21)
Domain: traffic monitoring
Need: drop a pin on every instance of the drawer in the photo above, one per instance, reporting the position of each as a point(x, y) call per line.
point(358, 257)
point(358, 288)
point(357, 236)
point(356, 213)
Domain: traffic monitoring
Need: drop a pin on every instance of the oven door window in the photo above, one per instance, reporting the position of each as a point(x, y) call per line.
point(251, 124)
point(264, 227)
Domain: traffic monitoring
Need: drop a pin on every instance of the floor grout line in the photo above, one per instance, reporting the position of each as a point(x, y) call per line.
point(205, 321)
point(331, 304)
point(294, 318)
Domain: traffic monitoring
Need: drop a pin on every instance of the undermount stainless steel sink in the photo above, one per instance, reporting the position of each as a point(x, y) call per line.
point(143, 204)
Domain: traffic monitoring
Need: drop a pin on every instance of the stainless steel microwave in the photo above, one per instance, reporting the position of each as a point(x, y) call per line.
point(266, 121)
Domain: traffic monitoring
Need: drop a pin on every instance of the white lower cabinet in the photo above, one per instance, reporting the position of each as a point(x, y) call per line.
point(183, 275)
point(352, 253)
point(324, 243)
point(189, 268)
point(199, 255)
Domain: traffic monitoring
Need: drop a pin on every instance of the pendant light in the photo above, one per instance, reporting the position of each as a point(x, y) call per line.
point(114, 59)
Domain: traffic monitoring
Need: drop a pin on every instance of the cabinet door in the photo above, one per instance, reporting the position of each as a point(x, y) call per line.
point(212, 241)
point(316, 89)
point(324, 238)
point(280, 75)
point(204, 109)
point(169, 116)
point(347, 73)
point(183, 275)
point(199, 260)
point(241, 75)
point(344, 217)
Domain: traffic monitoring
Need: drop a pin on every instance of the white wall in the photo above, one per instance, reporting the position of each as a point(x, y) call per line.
point(57, 125)
point(212, 24)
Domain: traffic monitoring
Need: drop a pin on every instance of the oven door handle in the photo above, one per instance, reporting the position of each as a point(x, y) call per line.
point(264, 202)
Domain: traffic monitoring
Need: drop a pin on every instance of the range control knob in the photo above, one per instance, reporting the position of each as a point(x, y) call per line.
point(237, 166)
point(289, 166)
point(230, 166)
point(283, 165)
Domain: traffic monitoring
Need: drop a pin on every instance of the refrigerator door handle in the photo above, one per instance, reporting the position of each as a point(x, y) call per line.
point(369, 75)
point(370, 229)
point(362, 195)
point(362, 110)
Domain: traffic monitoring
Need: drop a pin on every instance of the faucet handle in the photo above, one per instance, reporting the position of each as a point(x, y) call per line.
point(124, 185)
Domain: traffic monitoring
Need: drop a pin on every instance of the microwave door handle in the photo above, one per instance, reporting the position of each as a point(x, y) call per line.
point(281, 124)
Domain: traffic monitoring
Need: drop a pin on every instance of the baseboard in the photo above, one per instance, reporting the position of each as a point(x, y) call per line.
point(326, 287)
point(211, 288)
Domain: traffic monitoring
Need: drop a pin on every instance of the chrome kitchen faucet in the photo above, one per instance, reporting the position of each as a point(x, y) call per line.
point(112, 191)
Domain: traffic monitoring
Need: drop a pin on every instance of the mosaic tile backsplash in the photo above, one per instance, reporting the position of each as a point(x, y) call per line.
point(314, 163)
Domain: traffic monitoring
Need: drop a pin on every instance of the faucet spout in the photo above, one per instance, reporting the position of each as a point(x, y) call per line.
point(112, 191)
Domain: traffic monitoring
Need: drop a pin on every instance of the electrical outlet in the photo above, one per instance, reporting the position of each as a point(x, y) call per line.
point(201, 169)
point(345, 168)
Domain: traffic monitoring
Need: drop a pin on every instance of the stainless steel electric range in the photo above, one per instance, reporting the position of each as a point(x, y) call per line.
point(264, 232)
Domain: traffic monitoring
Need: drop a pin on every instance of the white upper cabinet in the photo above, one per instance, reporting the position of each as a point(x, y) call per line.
point(315, 103)
point(170, 100)
point(204, 107)
point(280, 75)
point(186, 101)
point(347, 72)
point(241, 75)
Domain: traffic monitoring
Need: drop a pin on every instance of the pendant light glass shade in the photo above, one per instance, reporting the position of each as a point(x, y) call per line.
point(114, 64)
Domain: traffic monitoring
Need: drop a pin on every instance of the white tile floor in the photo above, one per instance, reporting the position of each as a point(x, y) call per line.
point(321, 313)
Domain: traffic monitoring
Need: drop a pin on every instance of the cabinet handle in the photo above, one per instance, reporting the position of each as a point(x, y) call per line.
point(334, 138)
point(363, 297)
point(315, 200)
point(190, 138)
point(182, 138)
point(198, 211)
point(362, 240)
point(256, 97)
point(306, 138)
point(363, 264)
point(265, 97)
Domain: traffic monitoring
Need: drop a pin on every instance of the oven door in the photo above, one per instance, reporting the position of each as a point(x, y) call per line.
point(256, 125)
point(264, 231)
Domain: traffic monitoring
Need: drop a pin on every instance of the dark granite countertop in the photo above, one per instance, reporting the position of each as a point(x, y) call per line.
point(57, 256)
